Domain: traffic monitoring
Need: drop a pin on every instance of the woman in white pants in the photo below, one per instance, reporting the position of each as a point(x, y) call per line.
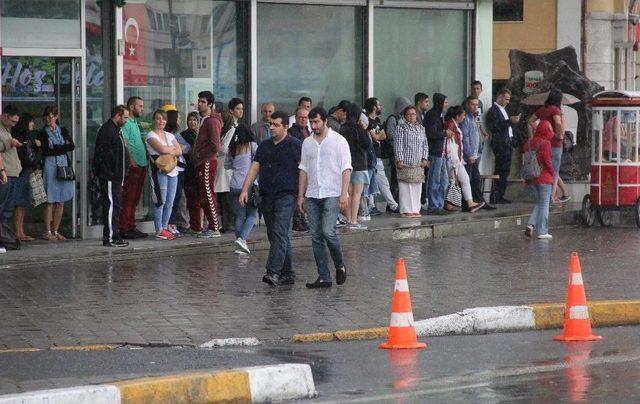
point(412, 151)
point(453, 154)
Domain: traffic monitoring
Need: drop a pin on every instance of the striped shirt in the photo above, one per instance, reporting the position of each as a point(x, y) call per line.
point(411, 144)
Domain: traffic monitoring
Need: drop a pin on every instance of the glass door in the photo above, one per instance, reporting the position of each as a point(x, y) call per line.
point(32, 83)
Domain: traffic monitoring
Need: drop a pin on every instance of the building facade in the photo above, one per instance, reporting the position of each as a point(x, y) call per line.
point(96, 54)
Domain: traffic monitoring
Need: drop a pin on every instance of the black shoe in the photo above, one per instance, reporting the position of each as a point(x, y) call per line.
point(319, 283)
point(288, 279)
point(503, 200)
point(300, 229)
point(374, 212)
point(271, 279)
point(488, 207)
point(396, 210)
point(129, 234)
point(140, 234)
point(341, 275)
point(115, 243)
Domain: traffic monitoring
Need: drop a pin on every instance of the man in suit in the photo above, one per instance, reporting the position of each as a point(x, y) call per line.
point(500, 126)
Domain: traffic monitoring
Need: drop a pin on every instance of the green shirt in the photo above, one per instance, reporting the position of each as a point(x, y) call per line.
point(137, 149)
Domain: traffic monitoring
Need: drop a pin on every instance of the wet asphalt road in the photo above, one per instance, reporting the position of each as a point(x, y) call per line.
point(192, 299)
point(523, 367)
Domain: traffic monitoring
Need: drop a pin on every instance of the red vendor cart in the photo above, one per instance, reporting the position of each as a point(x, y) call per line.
point(615, 167)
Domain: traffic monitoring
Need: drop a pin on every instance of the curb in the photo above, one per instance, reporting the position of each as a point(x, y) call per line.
point(261, 384)
point(483, 320)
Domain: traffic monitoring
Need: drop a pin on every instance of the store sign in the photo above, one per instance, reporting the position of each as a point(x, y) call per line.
point(134, 20)
point(532, 81)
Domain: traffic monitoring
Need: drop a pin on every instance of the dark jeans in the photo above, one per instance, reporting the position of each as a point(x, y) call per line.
point(8, 199)
point(393, 179)
point(424, 195)
point(277, 211)
point(175, 211)
point(474, 179)
point(227, 214)
point(503, 166)
point(323, 214)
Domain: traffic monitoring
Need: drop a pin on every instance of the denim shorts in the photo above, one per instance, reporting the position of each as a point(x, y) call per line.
point(23, 190)
point(360, 177)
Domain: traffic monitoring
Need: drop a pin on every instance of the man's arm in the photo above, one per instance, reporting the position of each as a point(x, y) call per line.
point(302, 189)
point(251, 176)
point(343, 201)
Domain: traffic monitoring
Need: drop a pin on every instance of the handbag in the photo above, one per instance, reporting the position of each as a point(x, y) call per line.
point(254, 192)
point(454, 192)
point(165, 163)
point(38, 195)
point(412, 175)
point(567, 142)
point(65, 173)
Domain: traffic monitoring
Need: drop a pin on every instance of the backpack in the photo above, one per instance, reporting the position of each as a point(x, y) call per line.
point(530, 166)
point(386, 146)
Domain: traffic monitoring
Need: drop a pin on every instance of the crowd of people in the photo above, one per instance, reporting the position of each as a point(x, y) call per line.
point(312, 171)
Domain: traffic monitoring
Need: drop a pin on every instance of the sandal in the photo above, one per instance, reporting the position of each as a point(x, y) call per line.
point(49, 236)
point(59, 236)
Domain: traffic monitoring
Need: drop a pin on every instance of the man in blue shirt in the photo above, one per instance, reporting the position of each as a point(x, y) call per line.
point(276, 161)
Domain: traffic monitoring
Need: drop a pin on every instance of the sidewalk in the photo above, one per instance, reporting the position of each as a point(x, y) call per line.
point(385, 227)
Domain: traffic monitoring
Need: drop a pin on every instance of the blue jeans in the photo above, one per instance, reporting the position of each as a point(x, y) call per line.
point(323, 214)
point(246, 216)
point(8, 198)
point(556, 160)
point(278, 212)
point(438, 183)
point(162, 213)
point(540, 214)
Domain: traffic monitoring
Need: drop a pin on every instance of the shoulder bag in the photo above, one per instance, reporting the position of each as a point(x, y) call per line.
point(454, 192)
point(165, 163)
point(254, 191)
point(38, 195)
point(65, 173)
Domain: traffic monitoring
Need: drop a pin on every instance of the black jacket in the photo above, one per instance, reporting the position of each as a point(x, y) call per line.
point(296, 131)
point(434, 125)
point(359, 142)
point(109, 157)
point(498, 127)
point(56, 150)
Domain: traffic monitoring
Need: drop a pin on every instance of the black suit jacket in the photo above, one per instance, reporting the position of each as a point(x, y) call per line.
point(498, 127)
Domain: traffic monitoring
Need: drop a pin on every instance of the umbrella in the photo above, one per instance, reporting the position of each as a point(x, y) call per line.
point(539, 99)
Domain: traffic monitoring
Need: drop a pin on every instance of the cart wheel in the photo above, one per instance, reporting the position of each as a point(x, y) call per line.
point(637, 212)
point(588, 215)
point(605, 217)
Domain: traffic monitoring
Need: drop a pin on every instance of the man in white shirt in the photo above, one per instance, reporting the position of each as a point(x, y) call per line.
point(325, 170)
point(306, 103)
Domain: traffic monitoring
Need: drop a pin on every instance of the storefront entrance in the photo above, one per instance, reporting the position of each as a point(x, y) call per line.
point(31, 83)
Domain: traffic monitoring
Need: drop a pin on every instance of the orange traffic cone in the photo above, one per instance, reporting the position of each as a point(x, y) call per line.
point(577, 325)
point(402, 333)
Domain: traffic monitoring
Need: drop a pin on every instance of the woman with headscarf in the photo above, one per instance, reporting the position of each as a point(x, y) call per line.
point(541, 186)
point(412, 152)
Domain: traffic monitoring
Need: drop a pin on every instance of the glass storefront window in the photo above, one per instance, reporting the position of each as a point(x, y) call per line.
point(59, 18)
point(314, 51)
point(419, 50)
point(176, 48)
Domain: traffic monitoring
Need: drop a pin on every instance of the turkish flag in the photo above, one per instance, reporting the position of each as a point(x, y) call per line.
point(134, 26)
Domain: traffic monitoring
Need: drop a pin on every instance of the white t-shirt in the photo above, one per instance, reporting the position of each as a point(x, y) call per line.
point(324, 163)
point(154, 152)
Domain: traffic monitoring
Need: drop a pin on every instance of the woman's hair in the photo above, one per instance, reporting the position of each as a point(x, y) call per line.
point(453, 112)
point(50, 109)
point(22, 127)
point(241, 136)
point(554, 98)
point(353, 113)
point(234, 102)
point(172, 121)
point(159, 112)
point(407, 108)
point(193, 114)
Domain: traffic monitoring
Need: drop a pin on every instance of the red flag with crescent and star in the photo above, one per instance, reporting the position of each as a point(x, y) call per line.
point(134, 26)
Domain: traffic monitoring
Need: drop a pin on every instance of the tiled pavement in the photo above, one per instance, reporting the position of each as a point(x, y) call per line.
point(189, 299)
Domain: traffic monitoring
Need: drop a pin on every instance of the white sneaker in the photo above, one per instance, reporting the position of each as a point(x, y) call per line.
point(357, 226)
point(425, 206)
point(364, 218)
point(545, 236)
point(242, 245)
point(3, 250)
point(238, 252)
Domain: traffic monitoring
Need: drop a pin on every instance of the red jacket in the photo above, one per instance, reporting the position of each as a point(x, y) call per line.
point(547, 114)
point(541, 142)
point(207, 142)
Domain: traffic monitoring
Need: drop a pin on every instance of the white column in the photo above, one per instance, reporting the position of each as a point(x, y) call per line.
point(484, 49)
point(253, 59)
point(370, 47)
point(119, 87)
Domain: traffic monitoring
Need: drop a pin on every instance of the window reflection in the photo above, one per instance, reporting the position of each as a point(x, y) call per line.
point(628, 143)
point(612, 130)
point(314, 51)
point(597, 130)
